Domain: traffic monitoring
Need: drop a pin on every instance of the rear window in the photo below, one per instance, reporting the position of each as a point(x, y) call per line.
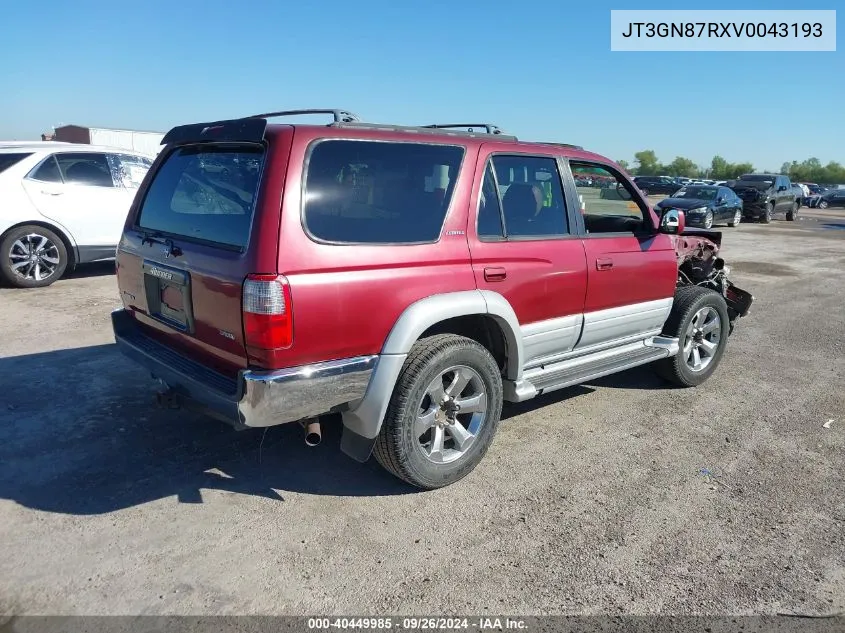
point(7, 160)
point(379, 192)
point(205, 193)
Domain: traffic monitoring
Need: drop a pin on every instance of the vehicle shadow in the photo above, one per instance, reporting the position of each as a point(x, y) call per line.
point(636, 378)
point(82, 437)
point(93, 269)
point(511, 410)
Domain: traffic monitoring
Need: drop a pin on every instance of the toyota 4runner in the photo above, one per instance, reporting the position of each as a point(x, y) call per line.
point(409, 279)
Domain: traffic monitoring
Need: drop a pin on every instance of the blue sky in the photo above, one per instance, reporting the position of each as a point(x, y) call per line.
point(542, 70)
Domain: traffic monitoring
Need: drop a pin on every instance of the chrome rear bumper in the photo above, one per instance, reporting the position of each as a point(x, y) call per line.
point(254, 398)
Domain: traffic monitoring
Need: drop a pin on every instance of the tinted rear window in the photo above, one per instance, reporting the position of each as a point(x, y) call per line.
point(7, 160)
point(205, 193)
point(379, 192)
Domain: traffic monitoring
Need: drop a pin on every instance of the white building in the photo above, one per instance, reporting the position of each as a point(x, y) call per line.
point(145, 142)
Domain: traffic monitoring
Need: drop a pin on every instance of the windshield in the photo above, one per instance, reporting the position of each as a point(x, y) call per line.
point(697, 193)
point(756, 181)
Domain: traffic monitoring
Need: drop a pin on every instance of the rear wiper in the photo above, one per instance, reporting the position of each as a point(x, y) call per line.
point(151, 237)
point(154, 237)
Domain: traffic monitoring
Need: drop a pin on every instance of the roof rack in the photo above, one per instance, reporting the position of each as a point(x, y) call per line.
point(340, 116)
point(423, 129)
point(488, 127)
point(569, 145)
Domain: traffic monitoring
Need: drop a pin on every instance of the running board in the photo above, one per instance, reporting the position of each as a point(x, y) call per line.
point(578, 370)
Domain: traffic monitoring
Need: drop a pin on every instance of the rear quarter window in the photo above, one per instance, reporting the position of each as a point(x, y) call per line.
point(375, 192)
point(205, 194)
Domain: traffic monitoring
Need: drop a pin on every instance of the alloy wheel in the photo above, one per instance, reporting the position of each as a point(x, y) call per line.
point(702, 337)
point(451, 414)
point(34, 257)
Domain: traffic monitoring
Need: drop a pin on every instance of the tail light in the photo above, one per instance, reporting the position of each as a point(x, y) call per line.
point(268, 321)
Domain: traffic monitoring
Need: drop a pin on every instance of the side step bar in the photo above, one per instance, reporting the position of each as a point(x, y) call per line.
point(578, 370)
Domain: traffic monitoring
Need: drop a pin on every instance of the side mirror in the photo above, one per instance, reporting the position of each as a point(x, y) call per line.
point(720, 200)
point(673, 222)
point(781, 188)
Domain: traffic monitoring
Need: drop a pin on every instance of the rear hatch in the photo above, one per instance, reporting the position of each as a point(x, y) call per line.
point(195, 232)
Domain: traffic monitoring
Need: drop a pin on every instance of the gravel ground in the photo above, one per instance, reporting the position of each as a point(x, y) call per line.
point(592, 500)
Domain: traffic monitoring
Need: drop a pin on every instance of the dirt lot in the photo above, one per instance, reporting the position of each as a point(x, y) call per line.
point(591, 500)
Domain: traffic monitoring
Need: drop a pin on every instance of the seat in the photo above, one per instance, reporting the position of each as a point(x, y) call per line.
point(521, 204)
point(89, 173)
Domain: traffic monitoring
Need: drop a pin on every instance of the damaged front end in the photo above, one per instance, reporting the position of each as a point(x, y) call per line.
point(700, 265)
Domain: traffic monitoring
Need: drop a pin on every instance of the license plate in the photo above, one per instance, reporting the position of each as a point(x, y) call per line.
point(168, 292)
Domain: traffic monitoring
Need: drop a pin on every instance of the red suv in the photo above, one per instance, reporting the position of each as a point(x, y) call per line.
point(410, 279)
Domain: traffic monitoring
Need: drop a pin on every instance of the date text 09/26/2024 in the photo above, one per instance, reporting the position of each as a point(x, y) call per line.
point(482, 623)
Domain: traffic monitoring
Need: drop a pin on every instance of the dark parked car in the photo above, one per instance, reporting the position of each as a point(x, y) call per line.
point(831, 198)
point(651, 185)
point(704, 205)
point(764, 195)
point(799, 194)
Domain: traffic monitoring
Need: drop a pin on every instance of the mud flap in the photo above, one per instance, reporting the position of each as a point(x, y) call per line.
point(356, 446)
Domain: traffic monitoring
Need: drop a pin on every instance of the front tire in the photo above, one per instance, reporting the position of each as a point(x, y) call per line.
point(32, 257)
point(766, 218)
point(443, 414)
point(823, 204)
point(699, 319)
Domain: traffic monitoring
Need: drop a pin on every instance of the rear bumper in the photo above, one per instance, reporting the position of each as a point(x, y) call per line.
point(255, 398)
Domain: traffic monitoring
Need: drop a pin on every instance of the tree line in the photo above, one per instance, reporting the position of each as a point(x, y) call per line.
point(810, 170)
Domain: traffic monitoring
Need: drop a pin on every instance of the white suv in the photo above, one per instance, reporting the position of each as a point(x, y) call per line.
point(62, 204)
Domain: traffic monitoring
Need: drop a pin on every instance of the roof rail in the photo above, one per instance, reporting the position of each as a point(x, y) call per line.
point(340, 116)
point(489, 127)
point(569, 145)
point(422, 129)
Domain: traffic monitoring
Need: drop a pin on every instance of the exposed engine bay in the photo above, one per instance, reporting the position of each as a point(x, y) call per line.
point(700, 265)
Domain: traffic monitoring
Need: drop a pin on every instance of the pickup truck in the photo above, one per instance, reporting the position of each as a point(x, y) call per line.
point(766, 195)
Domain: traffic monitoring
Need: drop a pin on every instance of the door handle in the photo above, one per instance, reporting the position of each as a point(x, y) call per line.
point(604, 263)
point(51, 193)
point(495, 274)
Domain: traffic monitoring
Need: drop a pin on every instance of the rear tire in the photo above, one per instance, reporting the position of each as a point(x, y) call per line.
point(823, 204)
point(791, 214)
point(32, 256)
point(417, 443)
point(699, 319)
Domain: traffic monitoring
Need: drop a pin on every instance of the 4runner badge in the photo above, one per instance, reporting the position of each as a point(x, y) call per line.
point(161, 274)
point(455, 232)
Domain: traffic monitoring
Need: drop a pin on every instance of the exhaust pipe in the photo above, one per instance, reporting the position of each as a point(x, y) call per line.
point(168, 399)
point(313, 433)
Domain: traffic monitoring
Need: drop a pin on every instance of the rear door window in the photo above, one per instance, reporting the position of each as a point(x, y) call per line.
point(526, 193)
point(205, 193)
point(85, 168)
point(378, 192)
